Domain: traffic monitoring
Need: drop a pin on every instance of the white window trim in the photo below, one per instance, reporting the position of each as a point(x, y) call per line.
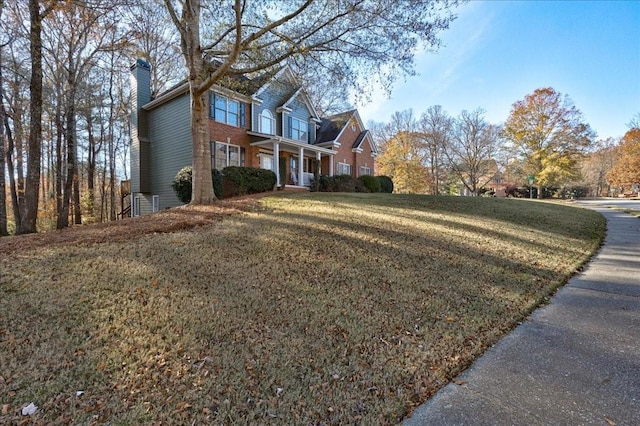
point(135, 206)
point(155, 202)
point(303, 134)
point(262, 155)
point(367, 170)
point(267, 115)
point(341, 166)
point(227, 100)
point(216, 143)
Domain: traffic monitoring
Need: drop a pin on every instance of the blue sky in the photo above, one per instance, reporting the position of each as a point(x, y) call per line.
point(497, 52)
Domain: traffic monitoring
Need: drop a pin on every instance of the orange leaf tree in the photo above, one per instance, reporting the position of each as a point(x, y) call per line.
point(549, 135)
point(626, 172)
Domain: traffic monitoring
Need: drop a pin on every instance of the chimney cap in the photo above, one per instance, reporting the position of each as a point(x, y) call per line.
point(141, 63)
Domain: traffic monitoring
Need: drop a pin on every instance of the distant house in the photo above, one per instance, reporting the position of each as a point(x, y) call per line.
point(255, 124)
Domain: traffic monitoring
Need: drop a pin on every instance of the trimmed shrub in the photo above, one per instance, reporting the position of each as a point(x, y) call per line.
point(370, 182)
point(338, 183)
point(217, 183)
point(182, 184)
point(247, 180)
point(386, 184)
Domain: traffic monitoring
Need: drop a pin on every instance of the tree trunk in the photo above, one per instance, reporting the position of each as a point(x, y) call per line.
point(32, 189)
point(15, 202)
point(202, 183)
point(91, 167)
point(59, 177)
point(67, 190)
point(77, 212)
point(3, 194)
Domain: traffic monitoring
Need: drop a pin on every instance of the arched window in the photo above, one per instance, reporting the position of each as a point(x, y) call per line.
point(267, 123)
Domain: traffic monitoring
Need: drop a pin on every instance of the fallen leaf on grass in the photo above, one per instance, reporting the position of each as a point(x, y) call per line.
point(181, 406)
point(5, 409)
point(29, 409)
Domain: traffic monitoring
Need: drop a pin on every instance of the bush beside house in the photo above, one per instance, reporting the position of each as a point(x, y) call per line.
point(238, 180)
point(229, 182)
point(386, 184)
point(370, 182)
point(182, 184)
point(347, 183)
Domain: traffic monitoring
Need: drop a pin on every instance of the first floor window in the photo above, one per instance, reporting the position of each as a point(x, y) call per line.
point(343, 169)
point(364, 170)
point(156, 203)
point(223, 155)
point(266, 161)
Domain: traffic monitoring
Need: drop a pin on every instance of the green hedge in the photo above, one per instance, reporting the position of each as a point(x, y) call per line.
point(386, 184)
point(247, 180)
point(370, 182)
point(338, 183)
point(231, 181)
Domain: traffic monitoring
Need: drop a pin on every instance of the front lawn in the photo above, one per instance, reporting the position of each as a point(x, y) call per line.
point(314, 309)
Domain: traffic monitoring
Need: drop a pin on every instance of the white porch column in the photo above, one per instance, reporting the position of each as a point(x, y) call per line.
point(301, 167)
point(276, 161)
point(330, 164)
point(319, 160)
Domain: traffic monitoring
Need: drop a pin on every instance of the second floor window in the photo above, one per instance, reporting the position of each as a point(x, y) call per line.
point(297, 129)
point(267, 123)
point(226, 110)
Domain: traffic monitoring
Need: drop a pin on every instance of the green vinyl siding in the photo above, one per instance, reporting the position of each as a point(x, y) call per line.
point(300, 112)
point(140, 80)
point(170, 135)
point(272, 98)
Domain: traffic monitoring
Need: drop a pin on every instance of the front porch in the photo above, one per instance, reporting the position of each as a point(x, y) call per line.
point(293, 162)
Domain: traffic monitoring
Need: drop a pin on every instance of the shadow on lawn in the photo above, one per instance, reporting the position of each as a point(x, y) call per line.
point(535, 215)
point(282, 300)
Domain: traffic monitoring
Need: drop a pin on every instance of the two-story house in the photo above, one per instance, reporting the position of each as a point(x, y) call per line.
point(257, 124)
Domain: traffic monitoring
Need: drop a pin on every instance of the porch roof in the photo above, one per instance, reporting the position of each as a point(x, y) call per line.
point(267, 140)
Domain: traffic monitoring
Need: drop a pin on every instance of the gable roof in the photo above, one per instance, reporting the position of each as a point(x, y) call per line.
point(332, 127)
point(305, 98)
point(285, 73)
point(365, 135)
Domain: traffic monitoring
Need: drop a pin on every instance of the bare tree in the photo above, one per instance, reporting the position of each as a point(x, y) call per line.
point(471, 155)
point(436, 128)
point(3, 195)
point(355, 39)
point(77, 34)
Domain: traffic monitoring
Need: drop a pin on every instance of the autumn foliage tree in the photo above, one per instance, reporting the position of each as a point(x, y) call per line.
point(400, 159)
point(549, 134)
point(626, 172)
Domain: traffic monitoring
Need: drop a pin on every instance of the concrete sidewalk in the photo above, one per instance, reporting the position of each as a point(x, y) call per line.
point(576, 361)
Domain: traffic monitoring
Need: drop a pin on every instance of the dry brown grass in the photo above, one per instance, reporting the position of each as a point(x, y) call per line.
point(305, 309)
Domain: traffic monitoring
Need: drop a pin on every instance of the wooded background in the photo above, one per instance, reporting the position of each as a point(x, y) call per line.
point(65, 99)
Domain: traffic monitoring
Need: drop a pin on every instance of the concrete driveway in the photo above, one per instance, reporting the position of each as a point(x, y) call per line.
point(575, 361)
